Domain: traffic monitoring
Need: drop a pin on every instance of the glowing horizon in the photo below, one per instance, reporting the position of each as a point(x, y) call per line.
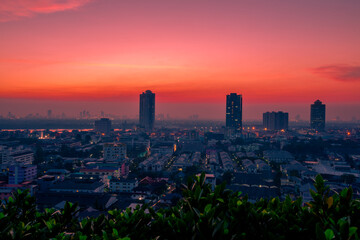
point(286, 53)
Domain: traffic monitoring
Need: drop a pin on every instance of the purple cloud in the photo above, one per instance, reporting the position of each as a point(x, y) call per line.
point(15, 9)
point(340, 72)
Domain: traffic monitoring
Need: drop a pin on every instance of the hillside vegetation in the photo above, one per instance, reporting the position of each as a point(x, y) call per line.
point(200, 214)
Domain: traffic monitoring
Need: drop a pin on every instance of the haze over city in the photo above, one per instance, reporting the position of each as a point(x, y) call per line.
point(179, 119)
point(71, 56)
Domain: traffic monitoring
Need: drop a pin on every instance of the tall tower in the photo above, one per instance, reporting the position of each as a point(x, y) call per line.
point(147, 110)
point(317, 116)
point(234, 111)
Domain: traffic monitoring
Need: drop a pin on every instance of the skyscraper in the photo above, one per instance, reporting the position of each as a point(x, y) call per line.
point(147, 110)
point(317, 116)
point(276, 120)
point(234, 111)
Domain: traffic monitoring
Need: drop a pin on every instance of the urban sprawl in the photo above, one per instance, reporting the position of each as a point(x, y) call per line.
point(104, 168)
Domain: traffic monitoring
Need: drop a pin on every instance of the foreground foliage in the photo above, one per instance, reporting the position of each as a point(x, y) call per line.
point(201, 214)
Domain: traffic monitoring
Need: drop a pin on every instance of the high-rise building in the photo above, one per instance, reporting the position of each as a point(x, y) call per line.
point(103, 126)
point(276, 120)
point(317, 116)
point(147, 110)
point(234, 111)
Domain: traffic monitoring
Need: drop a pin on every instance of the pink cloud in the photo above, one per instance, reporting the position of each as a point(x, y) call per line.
point(340, 72)
point(15, 9)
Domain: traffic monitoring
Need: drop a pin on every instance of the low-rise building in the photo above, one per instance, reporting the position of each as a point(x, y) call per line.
point(226, 162)
point(278, 156)
point(249, 166)
point(262, 166)
point(77, 186)
point(154, 163)
point(10, 156)
point(123, 185)
point(58, 173)
point(163, 148)
point(182, 162)
point(22, 173)
point(104, 174)
point(114, 152)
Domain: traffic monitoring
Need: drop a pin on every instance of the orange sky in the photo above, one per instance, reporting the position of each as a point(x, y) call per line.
point(81, 51)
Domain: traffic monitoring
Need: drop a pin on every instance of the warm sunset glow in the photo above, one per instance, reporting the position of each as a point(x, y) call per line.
point(190, 53)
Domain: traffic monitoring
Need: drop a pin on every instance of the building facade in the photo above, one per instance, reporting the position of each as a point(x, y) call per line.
point(123, 185)
point(276, 120)
point(317, 116)
point(278, 156)
point(10, 156)
point(19, 174)
point(147, 110)
point(234, 111)
point(114, 152)
point(103, 126)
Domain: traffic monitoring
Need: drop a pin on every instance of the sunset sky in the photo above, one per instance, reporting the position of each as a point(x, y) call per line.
point(71, 55)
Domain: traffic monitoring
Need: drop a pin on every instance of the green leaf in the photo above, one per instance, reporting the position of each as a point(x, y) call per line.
point(115, 233)
point(313, 194)
point(352, 231)
point(207, 208)
point(105, 236)
point(84, 237)
point(329, 234)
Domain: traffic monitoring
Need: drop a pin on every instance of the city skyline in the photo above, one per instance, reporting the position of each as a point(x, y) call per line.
point(296, 115)
point(98, 55)
point(116, 114)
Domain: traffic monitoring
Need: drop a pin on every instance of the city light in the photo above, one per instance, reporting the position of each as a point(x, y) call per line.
point(120, 119)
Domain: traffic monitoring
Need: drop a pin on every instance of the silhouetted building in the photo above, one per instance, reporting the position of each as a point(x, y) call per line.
point(317, 116)
point(276, 120)
point(103, 126)
point(147, 110)
point(234, 111)
point(49, 114)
